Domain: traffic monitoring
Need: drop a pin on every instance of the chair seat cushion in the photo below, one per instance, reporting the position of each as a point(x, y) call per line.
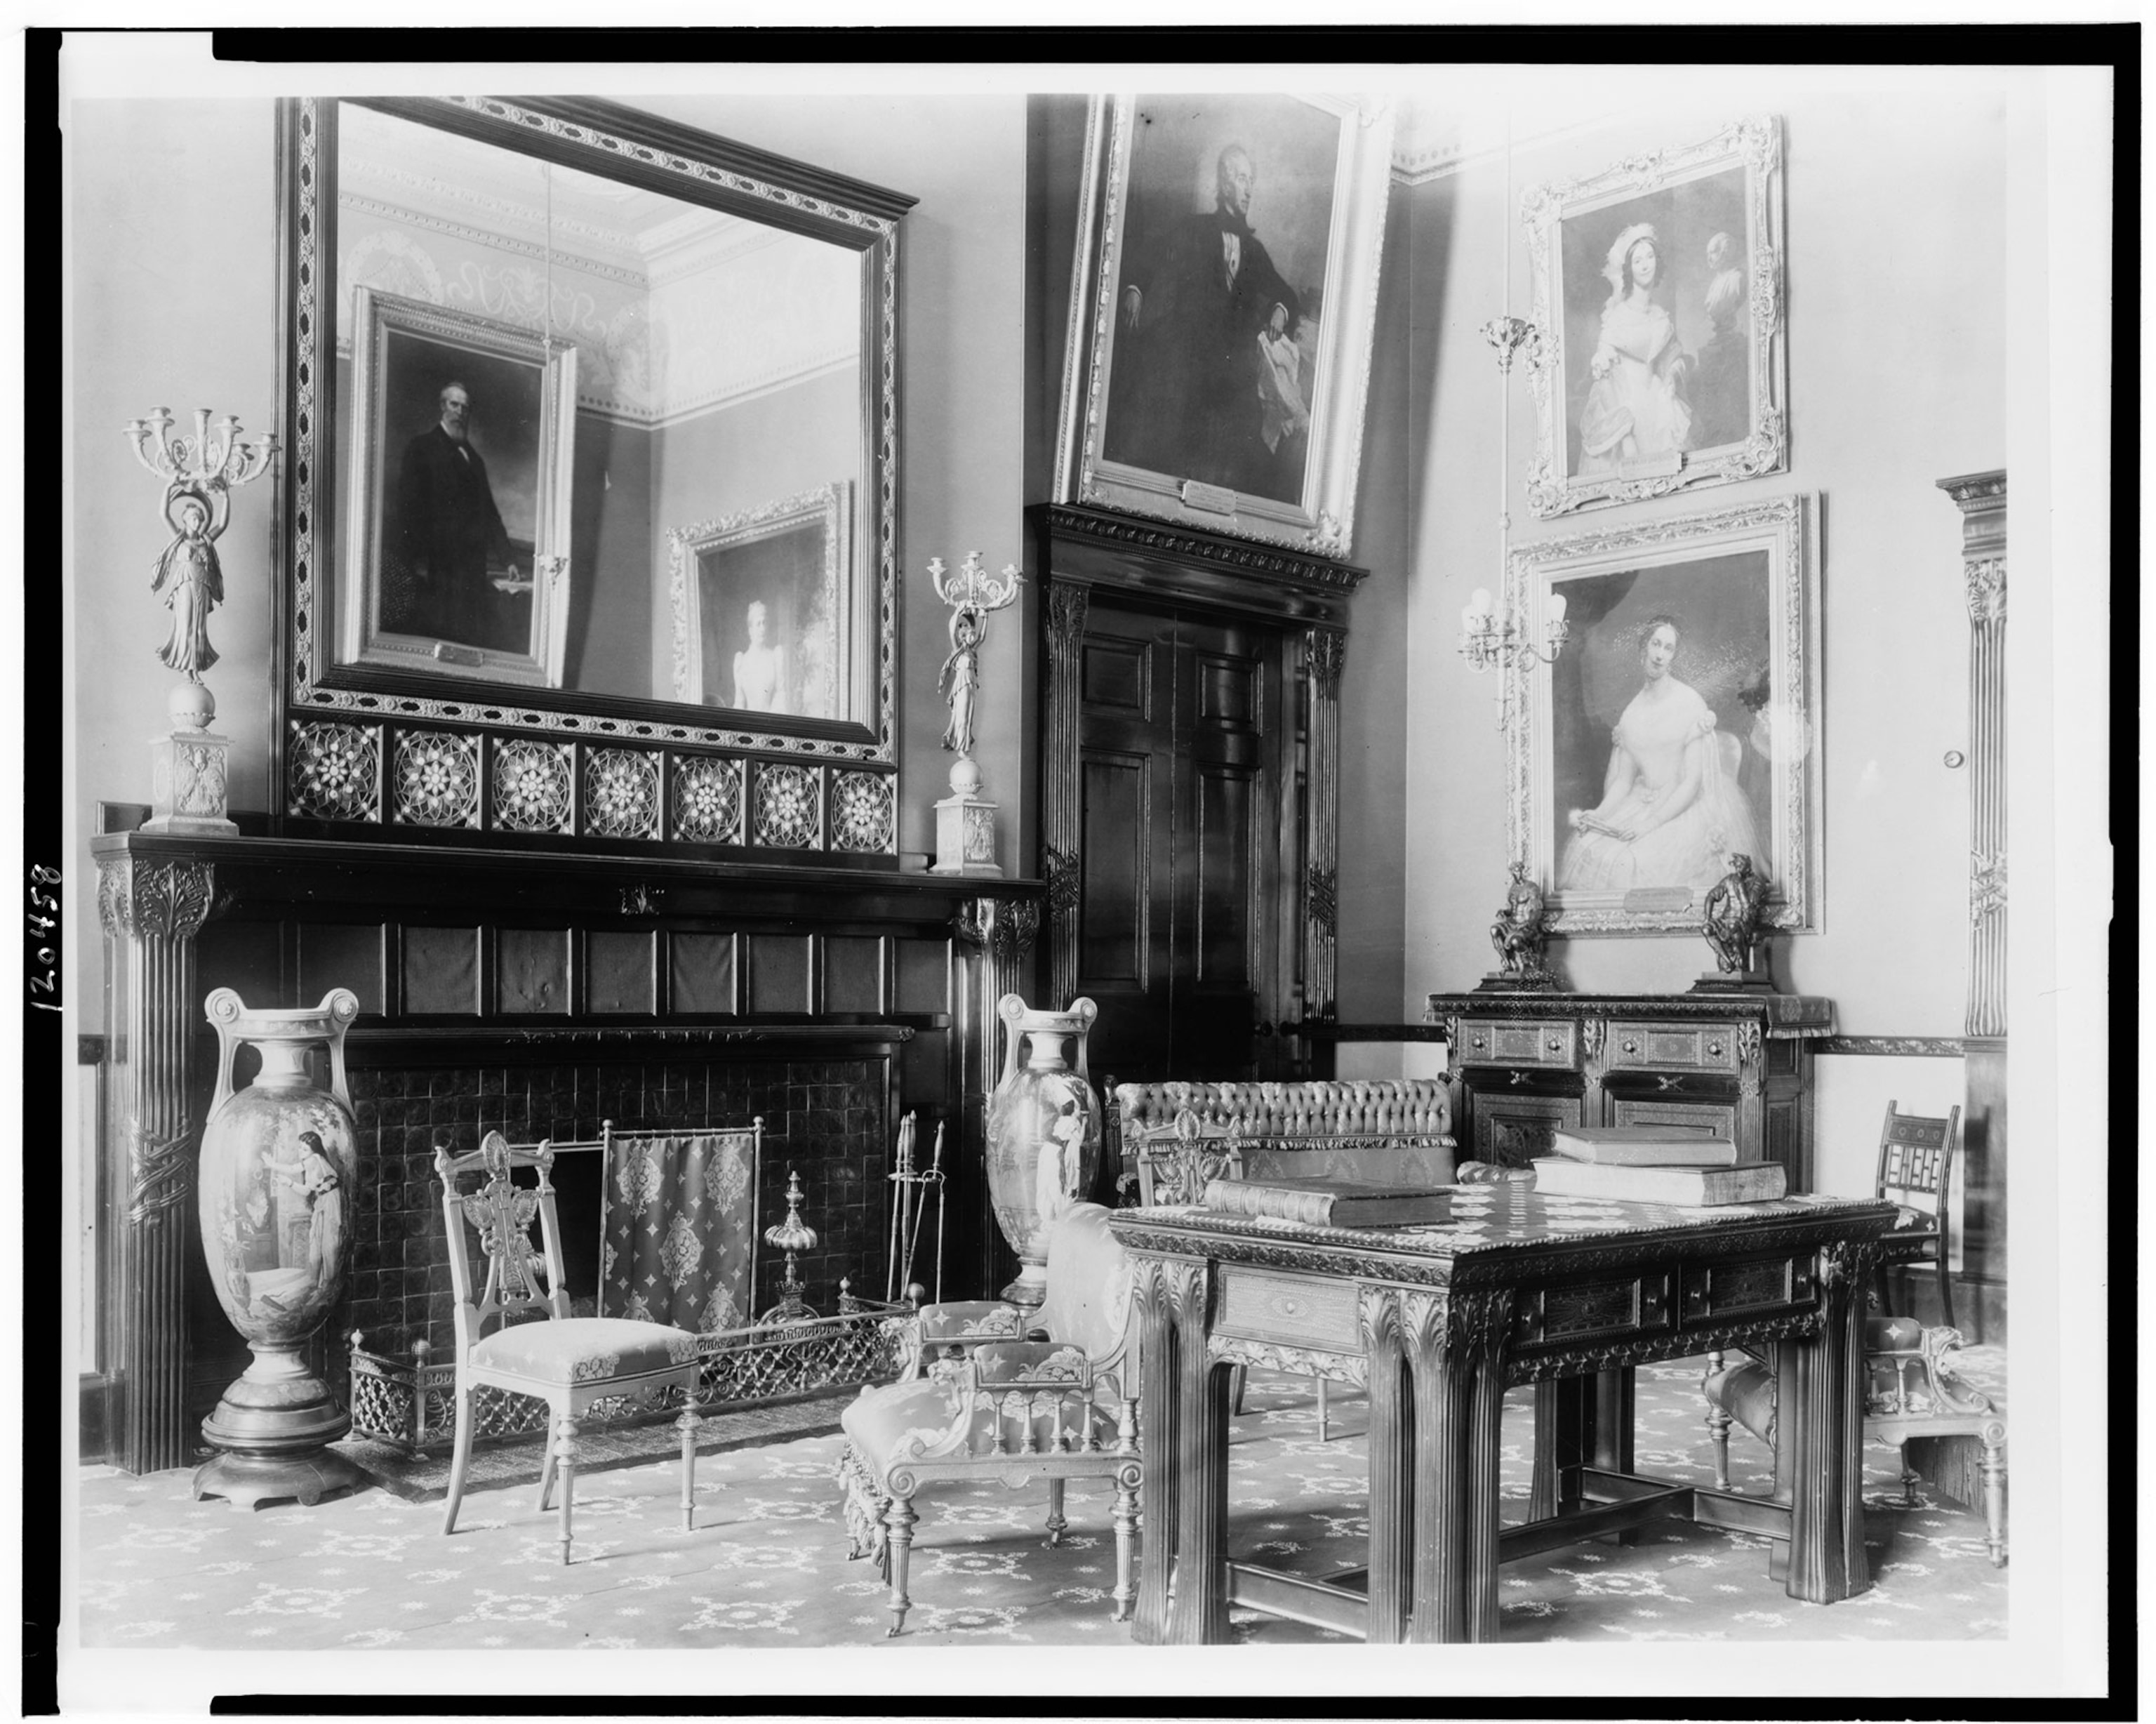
point(577, 1349)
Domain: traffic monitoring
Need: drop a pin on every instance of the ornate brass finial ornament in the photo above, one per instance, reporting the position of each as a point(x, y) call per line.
point(188, 767)
point(791, 1236)
point(965, 820)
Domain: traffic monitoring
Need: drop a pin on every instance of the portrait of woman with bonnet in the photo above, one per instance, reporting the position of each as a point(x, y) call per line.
point(1635, 408)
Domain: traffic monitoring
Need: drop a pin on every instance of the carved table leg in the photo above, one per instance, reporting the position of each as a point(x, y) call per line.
point(1157, 1415)
point(1563, 1436)
point(1613, 1431)
point(1824, 1430)
point(1391, 1488)
point(1197, 1614)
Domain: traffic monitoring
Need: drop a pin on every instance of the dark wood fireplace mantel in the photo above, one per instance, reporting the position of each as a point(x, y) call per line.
point(604, 984)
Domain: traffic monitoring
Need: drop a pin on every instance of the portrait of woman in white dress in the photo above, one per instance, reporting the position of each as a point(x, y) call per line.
point(1636, 408)
point(1671, 810)
point(760, 666)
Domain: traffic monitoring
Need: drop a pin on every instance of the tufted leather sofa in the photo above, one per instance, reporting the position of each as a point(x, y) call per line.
point(1393, 1131)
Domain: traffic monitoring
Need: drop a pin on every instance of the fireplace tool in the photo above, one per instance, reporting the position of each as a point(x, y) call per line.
point(910, 1186)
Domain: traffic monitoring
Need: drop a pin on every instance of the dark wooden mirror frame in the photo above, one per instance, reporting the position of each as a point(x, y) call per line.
point(627, 769)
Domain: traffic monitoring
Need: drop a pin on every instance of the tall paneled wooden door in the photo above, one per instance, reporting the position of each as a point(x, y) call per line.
point(1183, 732)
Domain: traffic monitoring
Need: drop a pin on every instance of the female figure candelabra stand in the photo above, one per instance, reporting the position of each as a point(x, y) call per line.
point(188, 767)
point(965, 820)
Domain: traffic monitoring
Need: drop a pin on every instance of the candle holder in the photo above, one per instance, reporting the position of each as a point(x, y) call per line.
point(189, 766)
point(966, 820)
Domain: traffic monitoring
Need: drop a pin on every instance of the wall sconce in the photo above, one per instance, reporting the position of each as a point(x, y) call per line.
point(1489, 644)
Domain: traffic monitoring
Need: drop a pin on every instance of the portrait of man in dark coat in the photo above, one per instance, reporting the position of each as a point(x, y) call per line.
point(449, 532)
point(1206, 383)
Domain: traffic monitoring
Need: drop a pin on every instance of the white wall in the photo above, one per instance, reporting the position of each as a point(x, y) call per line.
point(1897, 348)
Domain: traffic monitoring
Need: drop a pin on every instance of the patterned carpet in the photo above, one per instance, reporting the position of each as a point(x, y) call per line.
point(765, 1566)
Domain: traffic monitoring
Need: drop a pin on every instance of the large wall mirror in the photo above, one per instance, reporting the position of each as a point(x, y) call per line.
point(592, 424)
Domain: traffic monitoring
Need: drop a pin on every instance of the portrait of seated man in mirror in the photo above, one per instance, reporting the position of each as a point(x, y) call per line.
point(451, 570)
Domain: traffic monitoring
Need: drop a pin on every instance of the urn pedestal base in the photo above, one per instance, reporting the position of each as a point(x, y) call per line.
point(274, 1425)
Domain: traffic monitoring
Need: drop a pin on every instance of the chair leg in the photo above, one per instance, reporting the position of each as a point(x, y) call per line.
point(1125, 1517)
point(1324, 1428)
point(1992, 1468)
point(565, 1452)
point(1056, 1523)
point(898, 1521)
point(459, 1458)
point(1717, 1426)
point(688, 1422)
point(547, 1476)
point(1945, 1287)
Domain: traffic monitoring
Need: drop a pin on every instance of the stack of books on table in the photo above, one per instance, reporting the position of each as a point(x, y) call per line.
point(1331, 1202)
point(1653, 1164)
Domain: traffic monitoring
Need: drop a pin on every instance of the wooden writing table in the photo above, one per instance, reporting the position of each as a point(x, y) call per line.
point(1437, 1322)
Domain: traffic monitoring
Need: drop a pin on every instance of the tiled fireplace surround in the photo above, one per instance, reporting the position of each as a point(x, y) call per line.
point(828, 1118)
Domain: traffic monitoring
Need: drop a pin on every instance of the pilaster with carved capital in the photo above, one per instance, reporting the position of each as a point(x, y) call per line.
point(151, 911)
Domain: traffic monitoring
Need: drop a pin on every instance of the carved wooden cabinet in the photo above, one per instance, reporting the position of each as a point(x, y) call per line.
point(1523, 1065)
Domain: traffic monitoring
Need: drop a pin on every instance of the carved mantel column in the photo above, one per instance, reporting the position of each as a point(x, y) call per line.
point(1326, 654)
point(1068, 602)
point(1981, 497)
point(150, 912)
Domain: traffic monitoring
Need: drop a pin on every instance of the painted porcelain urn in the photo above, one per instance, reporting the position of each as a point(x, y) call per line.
point(275, 1187)
point(1044, 1133)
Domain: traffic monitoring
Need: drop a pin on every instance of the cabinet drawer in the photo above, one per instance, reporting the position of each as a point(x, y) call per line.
point(1672, 1047)
point(1290, 1310)
point(1516, 1042)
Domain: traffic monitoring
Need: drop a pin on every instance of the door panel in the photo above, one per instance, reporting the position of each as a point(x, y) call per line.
point(1113, 822)
point(1180, 765)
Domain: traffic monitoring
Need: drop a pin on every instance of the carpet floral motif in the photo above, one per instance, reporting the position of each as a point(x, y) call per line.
point(766, 1564)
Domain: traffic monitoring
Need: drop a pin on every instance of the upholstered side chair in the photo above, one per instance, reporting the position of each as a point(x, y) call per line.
point(1911, 1391)
point(1059, 1403)
point(538, 1349)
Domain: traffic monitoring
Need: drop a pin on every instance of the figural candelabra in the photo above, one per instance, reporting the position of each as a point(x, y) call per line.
point(965, 821)
point(188, 766)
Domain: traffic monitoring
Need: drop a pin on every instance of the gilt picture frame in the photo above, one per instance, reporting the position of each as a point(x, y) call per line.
point(1223, 301)
point(1644, 388)
point(1680, 725)
point(457, 556)
point(768, 588)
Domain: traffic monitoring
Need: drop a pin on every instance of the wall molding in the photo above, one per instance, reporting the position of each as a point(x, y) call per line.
point(1920, 1047)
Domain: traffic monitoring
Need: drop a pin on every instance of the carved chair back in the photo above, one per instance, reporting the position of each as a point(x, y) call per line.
point(1915, 1162)
point(518, 1280)
point(1175, 1164)
point(1088, 1302)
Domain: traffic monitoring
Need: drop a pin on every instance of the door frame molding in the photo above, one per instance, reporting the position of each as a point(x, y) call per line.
point(1148, 565)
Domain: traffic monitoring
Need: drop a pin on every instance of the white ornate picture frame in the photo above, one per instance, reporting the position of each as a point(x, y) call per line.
point(1628, 792)
point(1144, 429)
point(1644, 389)
point(404, 352)
point(792, 556)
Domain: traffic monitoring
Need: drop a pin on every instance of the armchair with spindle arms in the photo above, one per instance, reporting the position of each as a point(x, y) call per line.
point(1061, 1404)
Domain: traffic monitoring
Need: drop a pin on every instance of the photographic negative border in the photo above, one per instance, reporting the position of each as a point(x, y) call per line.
point(1783, 527)
point(1755, 145)
point(1323, 521)
point(363, 640)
